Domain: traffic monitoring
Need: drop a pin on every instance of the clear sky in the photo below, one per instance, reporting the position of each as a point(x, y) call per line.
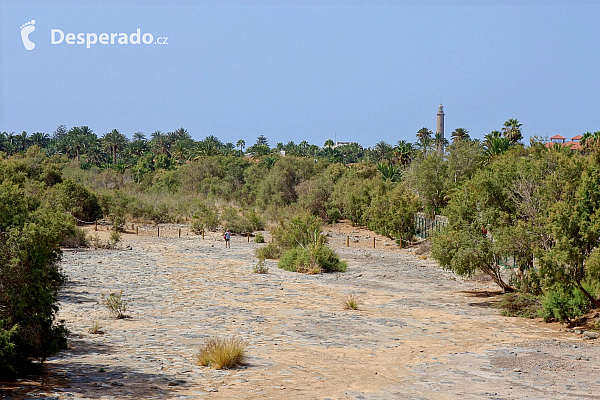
point(295, 70)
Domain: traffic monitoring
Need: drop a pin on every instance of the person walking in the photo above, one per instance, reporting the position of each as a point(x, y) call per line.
point(227, 238)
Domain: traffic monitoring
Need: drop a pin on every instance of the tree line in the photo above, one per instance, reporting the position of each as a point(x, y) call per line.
point(525, 215)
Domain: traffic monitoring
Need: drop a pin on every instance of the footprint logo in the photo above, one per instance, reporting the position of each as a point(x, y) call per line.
point(26, 29)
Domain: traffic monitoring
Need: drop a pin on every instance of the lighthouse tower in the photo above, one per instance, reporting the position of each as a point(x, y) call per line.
point(440, 129)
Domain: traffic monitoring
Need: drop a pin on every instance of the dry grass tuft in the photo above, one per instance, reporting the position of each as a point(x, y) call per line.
point(351, 303)
point(219, 353)
point(96, 328)
point(260, 267)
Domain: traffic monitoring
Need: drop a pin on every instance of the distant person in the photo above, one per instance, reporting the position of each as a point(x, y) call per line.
point(227, 238)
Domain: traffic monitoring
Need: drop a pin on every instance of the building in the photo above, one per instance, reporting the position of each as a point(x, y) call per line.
point(573, 144)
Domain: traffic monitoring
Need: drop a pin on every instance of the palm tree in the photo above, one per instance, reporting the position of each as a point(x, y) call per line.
point(490, 136)
point(460, 134)
point(440, 142)
point(180, 134)
point(160, 143)
point(590, 141)
point(207, 147)
point(382, 151)
point(139, 136)
point(227, 149)
point(40, 139)
point(77, 140)
point(403, 152)
point(496, 146)
point(94, 154)
point(114, 141)
point(390, 172)
point(180, 150)
point(512, 130)
point(22, 141)
point(329, 143)
point(425, 144)
point(242, 145)
point(138, 147)
point(424, 140)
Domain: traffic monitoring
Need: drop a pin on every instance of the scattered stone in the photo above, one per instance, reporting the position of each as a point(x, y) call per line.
point(591, 335)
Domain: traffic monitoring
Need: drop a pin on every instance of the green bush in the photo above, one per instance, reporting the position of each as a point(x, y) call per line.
point(239, 221)
point(334, 215)
point(115, 206)
point(563, 303)
point(298, 231)
point(259, 238)
point(78, 200)
point(29, 278)
point(271, 251)
point(312, 259)
point(302, 244)
point(74, 239)
point(392, 211)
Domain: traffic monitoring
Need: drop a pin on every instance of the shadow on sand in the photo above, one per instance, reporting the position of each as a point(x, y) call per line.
point(65, 372)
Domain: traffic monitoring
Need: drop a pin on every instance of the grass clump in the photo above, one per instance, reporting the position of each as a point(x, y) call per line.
point(522, 305)
point(96, 328)
point(259, 238)
point(351, 303)
point(260, 267)
point(115, 304)
point(220, 353)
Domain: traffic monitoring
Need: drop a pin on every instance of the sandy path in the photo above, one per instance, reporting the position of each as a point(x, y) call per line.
point(419, 332)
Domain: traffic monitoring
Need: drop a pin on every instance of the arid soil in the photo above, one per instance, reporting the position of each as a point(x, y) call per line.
point(419, 332)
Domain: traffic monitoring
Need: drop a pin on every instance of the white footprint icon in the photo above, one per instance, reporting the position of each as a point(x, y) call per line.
point(26, 29)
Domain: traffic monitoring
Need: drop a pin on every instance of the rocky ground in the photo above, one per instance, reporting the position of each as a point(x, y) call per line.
point(419, 332)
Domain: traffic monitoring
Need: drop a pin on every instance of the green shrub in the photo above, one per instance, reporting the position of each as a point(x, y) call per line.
point(312, 259)
point(205, 218)
point(8, 354)
point(392, 212)
point(563, 303)
point(239, 221)
point(299, 231)
point(259, 238)
point(115, 206)
point(29, 278)
point(161, 213)
point(334, 215)
point(271, 251)
point(78, 200)
point(302, 244)
point(74, 239)
point(523, 305)
point(115, 304)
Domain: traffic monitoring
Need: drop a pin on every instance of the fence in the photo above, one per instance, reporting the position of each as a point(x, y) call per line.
point(425, 227)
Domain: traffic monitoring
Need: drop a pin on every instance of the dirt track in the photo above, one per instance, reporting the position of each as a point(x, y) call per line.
point(419, 332)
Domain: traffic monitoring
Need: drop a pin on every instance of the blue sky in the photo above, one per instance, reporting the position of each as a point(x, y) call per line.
point(369, 71)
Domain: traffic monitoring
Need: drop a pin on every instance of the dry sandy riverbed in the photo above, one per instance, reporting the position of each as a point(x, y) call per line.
point(420, 333)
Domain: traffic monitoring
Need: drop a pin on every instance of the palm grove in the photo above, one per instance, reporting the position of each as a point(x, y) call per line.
point(533, 205)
